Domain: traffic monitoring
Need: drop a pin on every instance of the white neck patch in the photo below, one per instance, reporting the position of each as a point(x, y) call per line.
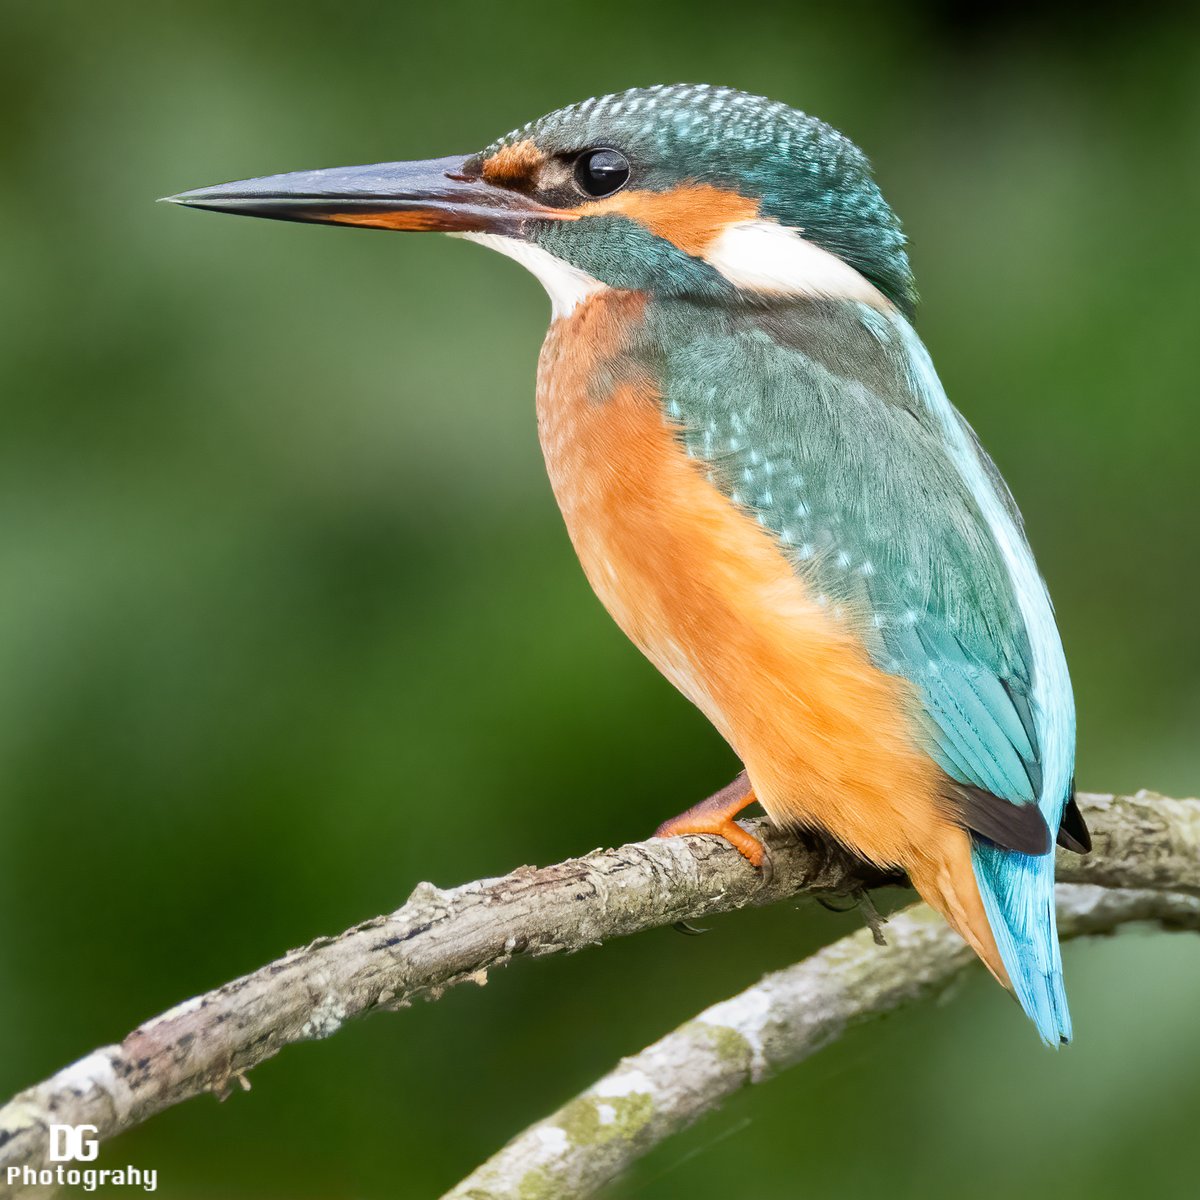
point(567, 286)
point(764, 256)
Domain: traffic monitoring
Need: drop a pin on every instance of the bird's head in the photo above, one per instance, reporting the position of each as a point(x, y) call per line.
point(678, 190)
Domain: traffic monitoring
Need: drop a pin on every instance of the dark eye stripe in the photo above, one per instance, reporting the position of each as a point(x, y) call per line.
point(601, 172)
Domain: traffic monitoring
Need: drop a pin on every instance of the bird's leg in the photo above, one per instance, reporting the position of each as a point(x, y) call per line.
point(872, 916)
point(715, 815)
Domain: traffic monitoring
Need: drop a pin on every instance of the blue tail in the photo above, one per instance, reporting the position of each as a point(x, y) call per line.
point(1018, 895)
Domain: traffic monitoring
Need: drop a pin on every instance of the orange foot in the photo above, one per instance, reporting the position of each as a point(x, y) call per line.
point(715, 815)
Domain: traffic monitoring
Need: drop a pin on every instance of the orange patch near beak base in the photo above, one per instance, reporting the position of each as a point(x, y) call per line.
point(515, 165)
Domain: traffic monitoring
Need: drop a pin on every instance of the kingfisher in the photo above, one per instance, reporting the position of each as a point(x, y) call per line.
point(768, 488)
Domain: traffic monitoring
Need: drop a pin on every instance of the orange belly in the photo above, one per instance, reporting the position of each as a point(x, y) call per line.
point(704, 592)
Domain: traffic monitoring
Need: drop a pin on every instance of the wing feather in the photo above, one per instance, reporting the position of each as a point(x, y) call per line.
point(821, 436)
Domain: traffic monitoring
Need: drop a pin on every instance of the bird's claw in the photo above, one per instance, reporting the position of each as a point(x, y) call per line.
point(860, 899)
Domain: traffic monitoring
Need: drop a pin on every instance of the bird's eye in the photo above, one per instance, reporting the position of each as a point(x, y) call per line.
point(601, 172)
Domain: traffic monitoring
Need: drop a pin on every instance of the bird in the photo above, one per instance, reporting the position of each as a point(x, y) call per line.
point(768, 488)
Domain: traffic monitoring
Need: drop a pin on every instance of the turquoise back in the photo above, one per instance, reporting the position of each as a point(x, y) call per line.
point(807, 415)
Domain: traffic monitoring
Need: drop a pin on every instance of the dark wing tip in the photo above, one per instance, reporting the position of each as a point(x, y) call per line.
point(1073, 833)
point(1019, 827)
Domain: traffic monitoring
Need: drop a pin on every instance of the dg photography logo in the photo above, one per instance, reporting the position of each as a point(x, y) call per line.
point(79, 1144)
point(68, 1143)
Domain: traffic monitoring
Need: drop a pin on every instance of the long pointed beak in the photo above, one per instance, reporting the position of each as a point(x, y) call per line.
point(434, 195)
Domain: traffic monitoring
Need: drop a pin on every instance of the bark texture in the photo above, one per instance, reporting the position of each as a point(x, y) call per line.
point(786, 1017)
point(439, 938)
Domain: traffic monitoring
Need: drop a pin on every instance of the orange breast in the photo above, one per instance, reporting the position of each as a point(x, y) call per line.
point(704, 591)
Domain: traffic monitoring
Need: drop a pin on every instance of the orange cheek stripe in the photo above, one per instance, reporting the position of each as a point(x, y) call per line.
point(691, 216)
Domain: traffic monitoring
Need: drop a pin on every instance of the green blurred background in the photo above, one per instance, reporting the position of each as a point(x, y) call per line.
point(289, 621)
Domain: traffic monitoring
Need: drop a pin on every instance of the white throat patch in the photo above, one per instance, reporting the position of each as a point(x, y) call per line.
point(566, 285)
point(764, 256)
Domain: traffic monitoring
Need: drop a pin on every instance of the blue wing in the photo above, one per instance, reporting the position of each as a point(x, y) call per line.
point(817, 428)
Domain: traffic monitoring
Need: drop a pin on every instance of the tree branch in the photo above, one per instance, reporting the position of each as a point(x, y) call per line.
point(745, 1040)
point(440, 938)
